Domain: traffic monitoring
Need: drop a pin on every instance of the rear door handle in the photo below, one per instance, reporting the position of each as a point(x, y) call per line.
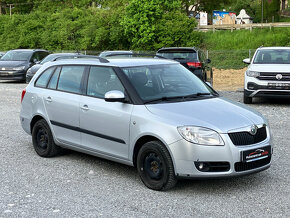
point(48, 99)
point(85, 107)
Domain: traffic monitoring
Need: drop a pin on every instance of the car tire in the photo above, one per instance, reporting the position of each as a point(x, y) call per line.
point(155, 166)
point(42, 140)
point(247, 99)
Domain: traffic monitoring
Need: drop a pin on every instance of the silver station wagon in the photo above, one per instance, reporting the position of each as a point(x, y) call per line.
point(150, 113)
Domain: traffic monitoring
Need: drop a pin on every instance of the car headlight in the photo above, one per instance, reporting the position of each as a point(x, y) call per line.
point(19, 68)
point(200, 135)
point(252, 73)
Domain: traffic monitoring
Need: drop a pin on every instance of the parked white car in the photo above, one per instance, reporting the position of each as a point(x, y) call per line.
point(268, 74)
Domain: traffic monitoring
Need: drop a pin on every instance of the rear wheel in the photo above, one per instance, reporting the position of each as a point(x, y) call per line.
point(155, 166)
point(247, 99)
point(43, 140)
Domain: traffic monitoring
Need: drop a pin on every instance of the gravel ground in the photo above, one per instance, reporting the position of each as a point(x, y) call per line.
point(79, 185)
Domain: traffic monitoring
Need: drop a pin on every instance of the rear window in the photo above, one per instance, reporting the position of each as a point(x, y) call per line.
point(192, 55)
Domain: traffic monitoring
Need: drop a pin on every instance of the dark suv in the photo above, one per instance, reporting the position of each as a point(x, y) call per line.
point(15, 63)
point(190, 57)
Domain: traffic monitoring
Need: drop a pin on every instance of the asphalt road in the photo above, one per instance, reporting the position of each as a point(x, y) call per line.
point(79, 185)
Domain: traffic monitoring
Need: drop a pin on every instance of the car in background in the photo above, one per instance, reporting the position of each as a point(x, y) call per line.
point(116, 53)
point(1, 54)
point(268, 74)
point(150, 113)
point(52, 57)
point(192, 58)
point(15, 63)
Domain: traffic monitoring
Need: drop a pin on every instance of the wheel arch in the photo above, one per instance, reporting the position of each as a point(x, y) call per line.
point(34, 120)
point(147, 138)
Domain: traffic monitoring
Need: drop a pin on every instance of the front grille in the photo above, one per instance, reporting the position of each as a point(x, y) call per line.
point(245, 138)
point(272, 76)
point(241, 166)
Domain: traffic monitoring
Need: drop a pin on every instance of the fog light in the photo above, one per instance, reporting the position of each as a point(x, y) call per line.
point(200, 166)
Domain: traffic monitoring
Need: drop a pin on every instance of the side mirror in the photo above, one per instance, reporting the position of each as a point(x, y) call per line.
point(34, 61)
point(115, 96)
point(247, 61)
point(208, 61)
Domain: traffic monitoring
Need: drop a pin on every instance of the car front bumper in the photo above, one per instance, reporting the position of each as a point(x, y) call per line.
point(186, 155)
point(12, 75)
point(266, 88)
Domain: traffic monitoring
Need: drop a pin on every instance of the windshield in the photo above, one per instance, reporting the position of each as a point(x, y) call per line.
point(163, 82)
point(17, 56)
point(178, 54)
point(272, 56)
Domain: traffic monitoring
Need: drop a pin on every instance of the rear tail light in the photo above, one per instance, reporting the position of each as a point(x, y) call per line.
point(22, 94)
point(194, 64)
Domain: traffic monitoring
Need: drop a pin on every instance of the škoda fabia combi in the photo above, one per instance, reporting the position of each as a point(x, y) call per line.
point(150, 113)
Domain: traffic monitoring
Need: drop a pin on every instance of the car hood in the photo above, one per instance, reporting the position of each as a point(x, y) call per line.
point(12, 63)
point(277, 68)
point(35, 68)
point(219, 114)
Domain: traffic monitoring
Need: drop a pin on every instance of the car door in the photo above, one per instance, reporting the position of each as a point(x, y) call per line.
point(62, 103)
point(104, 125)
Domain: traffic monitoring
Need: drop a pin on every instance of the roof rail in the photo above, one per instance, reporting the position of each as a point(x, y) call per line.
point(102, 60)
point(140, 55)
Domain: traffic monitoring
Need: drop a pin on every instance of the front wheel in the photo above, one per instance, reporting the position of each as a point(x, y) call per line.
point(155, 166)
point(42, 140)
point(247, 99)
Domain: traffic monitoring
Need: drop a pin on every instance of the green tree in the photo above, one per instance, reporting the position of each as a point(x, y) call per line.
point(149, 24)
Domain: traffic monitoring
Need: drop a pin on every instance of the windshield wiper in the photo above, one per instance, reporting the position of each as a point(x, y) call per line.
point(164, 99)
point(196, 95)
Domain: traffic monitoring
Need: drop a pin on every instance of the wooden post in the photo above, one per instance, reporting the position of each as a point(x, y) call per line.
point(10, 8)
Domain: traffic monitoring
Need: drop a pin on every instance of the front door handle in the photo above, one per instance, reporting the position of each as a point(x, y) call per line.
point(85, 107)
point(48, 99)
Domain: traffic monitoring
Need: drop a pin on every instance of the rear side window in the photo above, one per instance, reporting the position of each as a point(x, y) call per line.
point(44, 77)
point(70, 79)
point(53, 81)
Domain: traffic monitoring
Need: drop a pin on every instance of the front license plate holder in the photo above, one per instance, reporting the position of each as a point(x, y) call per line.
point(255, 154)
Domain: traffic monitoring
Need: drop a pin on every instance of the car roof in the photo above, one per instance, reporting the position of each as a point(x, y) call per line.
point(64, 54)
point(27, 50)
point(114, 62)
point(278, 48)
point(177, 48)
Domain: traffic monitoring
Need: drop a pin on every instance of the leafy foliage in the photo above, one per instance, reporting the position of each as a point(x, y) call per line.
point(154, 24)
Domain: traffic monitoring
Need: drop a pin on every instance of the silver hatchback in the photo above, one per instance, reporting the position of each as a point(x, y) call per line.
point(150, 113)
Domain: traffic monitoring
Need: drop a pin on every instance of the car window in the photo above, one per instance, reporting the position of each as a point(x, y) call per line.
point(178, 54)
point(163, 81)
point(44, 77)
point(53, 81)
point(102, 80)
point(35, 56)
point(16, 55)
point(70, 79)
point(43, 54)
point(272, 56)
